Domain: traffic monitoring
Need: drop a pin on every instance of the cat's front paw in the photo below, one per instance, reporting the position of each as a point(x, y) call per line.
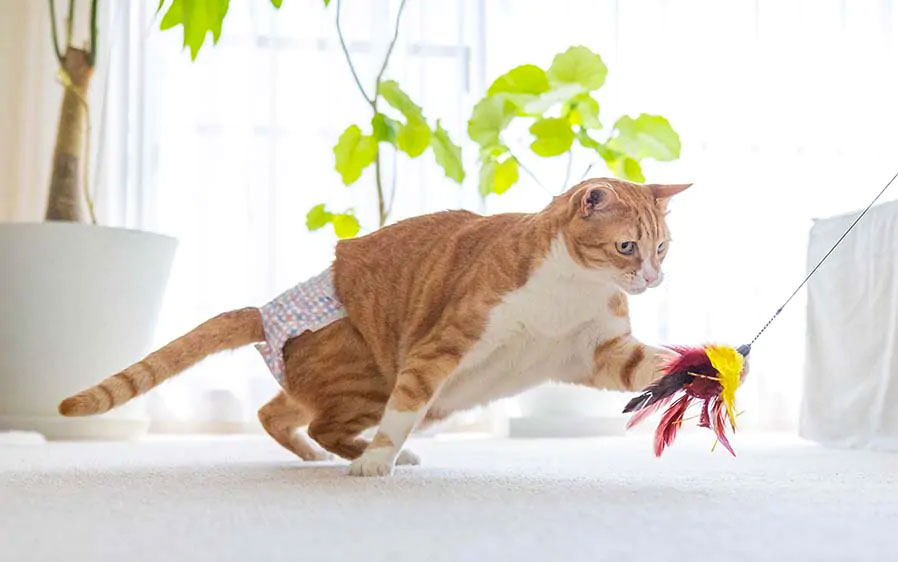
point(373, 462)
point(407, 457)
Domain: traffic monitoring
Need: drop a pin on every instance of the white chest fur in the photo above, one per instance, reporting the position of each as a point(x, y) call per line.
point(546, 330)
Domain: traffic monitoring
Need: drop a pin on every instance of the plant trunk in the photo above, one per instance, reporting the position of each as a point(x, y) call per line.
point(65, 200)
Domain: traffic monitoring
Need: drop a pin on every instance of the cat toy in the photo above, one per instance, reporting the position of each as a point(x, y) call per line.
point(708, 375)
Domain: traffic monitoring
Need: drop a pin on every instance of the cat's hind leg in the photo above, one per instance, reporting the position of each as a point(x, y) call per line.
point(426, 367)
point(284, 419)
point(338, 427)
point(341, 436)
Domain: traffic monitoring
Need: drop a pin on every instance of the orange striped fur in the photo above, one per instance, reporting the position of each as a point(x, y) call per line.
point(427, 302)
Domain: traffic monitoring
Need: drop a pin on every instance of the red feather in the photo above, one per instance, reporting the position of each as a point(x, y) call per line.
point(689, 359)
point(647, 411)
point(670, 423)
point(705, 419)
point(687, 376)
point(719, 420)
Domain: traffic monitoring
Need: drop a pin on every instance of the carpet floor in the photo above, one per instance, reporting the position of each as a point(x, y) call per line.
point(244, 499)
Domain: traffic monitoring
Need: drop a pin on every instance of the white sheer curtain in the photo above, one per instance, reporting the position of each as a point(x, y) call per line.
point(30, 97)
point(785, 110)
point(238, 148)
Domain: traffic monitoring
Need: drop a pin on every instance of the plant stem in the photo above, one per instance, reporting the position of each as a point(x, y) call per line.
point(392, 187)
point(53, 29)
point(92, 55)
point(381, 211)
point(85, 164)
point(63, 202)
point(69, 20)
point(588, 168)
point(529, 173)
point(384, 207)
point(567, 172)
point(371, 101)
point(383, 66)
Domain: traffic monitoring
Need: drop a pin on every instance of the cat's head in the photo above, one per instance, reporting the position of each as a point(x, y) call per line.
point(617, 229)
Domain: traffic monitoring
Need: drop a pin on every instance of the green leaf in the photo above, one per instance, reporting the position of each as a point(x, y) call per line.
point(326, 2)
point(583, 110)
point(394, 95)
point(497, 177)
point(619, 163)
point(413, 137)
point(554, 136)
point(447, 153)
point(536, 106)
point(317, 217)
point(524, 79)
point(492, 152)
point(527, 87)
point(384, 128)
point(345, 225)
point(487, 177)
point(578, 65)
point(587, 141)
point(277, 3)
point(647, 136)
point(198, 18)
point(488, 118)
point(506, 175)
point(626, 168)
point(353, 152)
point(173, 16)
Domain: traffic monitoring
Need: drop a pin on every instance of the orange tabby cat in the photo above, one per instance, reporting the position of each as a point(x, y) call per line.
point(445, 312)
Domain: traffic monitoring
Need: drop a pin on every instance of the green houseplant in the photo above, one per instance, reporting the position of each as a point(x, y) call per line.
point(561, 114)
point(410, 134)
point(559, 105)
point(401, 126)
point(78, 300)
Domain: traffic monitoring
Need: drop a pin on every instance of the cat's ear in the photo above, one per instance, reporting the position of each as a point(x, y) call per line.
point(663, 192)
point(594, 198)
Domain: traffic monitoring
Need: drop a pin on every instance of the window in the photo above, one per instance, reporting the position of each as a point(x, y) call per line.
point(781, 115)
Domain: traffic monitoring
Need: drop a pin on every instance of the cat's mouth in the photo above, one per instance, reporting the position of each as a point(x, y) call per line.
point(638, 285)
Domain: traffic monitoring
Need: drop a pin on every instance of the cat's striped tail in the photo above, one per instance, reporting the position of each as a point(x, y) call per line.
point(229, 330)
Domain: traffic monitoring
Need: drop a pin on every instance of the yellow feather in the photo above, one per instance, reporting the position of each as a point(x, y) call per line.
point(729, 364)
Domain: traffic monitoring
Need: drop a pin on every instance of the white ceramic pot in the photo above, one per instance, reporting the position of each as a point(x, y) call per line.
point(77, 304)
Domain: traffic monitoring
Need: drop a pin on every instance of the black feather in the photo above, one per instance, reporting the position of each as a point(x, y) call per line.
point(659, 390)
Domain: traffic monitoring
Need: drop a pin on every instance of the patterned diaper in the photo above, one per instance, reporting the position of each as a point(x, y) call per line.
point(310, 305)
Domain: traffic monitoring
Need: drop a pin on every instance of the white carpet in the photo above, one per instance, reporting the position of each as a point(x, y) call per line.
point(589, 499)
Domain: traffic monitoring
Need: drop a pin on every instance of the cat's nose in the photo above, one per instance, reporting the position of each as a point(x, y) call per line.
point(650, 276)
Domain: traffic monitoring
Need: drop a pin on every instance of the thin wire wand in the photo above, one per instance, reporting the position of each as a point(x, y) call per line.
point(823, 259)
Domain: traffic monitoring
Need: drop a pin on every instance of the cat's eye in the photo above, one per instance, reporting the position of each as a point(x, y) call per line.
point(662, 247)
point(626, 248)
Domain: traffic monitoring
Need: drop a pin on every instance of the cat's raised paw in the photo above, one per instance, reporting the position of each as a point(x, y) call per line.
point(372, 463)
point(407, 457)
